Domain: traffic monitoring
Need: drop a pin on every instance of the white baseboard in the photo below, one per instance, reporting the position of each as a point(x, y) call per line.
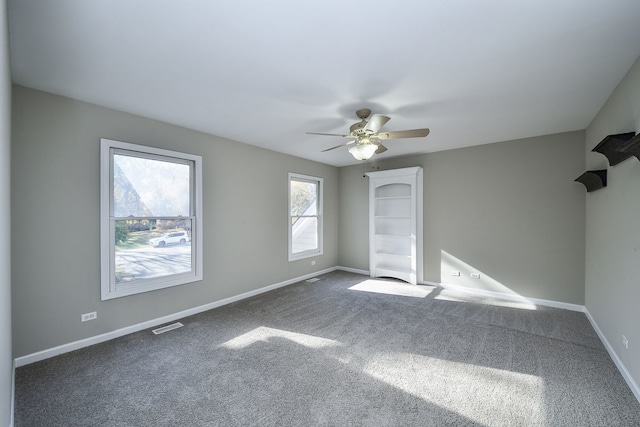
point(509, 297)
point(65, 348)
point(614, 356)
point(13, 395)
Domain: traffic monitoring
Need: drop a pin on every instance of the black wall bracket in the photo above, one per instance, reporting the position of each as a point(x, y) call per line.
point(632, 147)
point(611, 145)
point(593, 180)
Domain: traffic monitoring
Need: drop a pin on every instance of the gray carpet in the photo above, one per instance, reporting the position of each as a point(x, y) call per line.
point(338, 352)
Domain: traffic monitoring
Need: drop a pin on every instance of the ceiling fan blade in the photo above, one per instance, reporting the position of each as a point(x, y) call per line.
point(413, 133)
point(376, 122)
point(327, 134)
point(381, 149)
point(338, 146)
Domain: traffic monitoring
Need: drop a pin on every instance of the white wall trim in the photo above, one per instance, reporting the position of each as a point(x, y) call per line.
point(13, 395)
point(623, 369)
point(510, 297)
point(65, 348)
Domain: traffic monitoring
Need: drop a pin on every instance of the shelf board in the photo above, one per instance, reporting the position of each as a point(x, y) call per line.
point(392, 255)
point(393, 197)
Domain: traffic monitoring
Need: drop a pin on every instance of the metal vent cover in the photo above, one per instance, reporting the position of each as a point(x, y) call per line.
point(167, 328)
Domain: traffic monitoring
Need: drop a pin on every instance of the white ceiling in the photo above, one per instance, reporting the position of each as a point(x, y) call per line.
point(266, 72)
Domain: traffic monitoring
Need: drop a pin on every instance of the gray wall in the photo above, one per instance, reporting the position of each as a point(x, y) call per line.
point(510, 211)
point(613, 228)
point(6, 359)
point(55, 219)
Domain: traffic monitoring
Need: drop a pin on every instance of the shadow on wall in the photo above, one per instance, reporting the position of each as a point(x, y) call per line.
point(456, 273)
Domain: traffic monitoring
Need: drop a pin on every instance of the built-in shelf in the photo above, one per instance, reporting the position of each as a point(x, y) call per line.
point(395, 224)
point(593, 180)
point(611, 147)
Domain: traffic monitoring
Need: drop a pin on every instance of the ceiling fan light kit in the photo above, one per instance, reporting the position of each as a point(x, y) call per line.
point(367, 136)
point(363, 151)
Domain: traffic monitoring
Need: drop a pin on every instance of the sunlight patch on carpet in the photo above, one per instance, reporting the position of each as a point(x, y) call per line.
point(494, 301)
point(265, 334)
point(482, 394)
point(392, 288)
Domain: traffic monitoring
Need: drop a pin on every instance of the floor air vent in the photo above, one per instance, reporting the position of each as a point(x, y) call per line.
point(167, 328)
point(315, 279)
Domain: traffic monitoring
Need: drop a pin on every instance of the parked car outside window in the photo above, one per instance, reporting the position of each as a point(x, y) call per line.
point(175, 238)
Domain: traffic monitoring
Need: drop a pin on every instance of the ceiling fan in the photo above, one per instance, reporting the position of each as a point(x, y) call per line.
point(367, 135)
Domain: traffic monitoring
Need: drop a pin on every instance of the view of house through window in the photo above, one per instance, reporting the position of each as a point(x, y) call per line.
point(151, 221)
point(305, 216)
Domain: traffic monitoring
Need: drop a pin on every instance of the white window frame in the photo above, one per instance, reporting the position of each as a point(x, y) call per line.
point(320, 203)
point(108, 287)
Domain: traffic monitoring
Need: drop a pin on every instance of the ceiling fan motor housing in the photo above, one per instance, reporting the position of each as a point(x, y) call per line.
point(357, 129)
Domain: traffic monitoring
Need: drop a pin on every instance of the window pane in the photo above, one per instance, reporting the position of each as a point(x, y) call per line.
point(151, 248)
point(303, 198)
point(304, 234)
point(148, 187)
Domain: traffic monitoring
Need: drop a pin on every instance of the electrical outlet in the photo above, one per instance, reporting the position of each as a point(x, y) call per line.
point(89, 316)
point(313, 262)
point(455, 273)
point(625, 342)
point(474, 275)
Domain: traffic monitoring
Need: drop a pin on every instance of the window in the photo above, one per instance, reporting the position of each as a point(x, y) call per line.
point(151, 218)
point(305, 216)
